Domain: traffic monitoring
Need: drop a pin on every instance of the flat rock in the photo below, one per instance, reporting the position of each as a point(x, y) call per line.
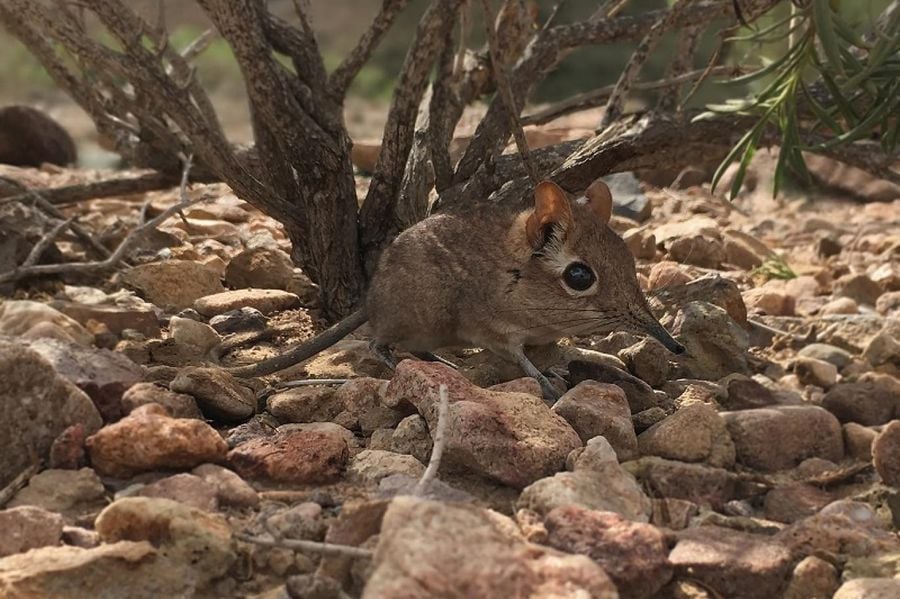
point(886, 454)
point(598, 483)
point(635, 555)
point(371, 465)
point(716, 345)
point(858, 287)
point(197, 335)
point(266, 301)
point(744, 393)
point(812, 577)
point(811, 371)
point(843, 529)
point(869, 588)
point(482, 554)
point(648, 360)
point(116, 318)
point(297, 456)
point(149, 439)
point(219, 395)
point(174, 284)
point(513, 438)
point(801, 432)
point(103, 374)
point(794, 501)
point(69, 492)
point(873, 399)
point(231, 490)
point(697, 483)
point(694, 433)
point(179, 405)
point(306, 404)
point(594, 409)
point(732, 563)
point(28, 527)
point(37, 405)
point(27, 319)
point(184, 488)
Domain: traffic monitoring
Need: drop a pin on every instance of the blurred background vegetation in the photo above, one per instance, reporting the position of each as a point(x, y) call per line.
point(341, 22)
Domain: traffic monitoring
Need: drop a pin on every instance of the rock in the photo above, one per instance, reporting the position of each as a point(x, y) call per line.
point(80, 537)
point(858, 441)
point(362, 399)
point(743, 250)
point(594, 409)
point(67, 452)
point(744, 393)
point(305, 404)
point(811, 371)
point(886, 454)
point(869, 588)
point(412, 438)
point(28, 527)
point(134, 314)
point(714, 290)
point(644, 420)
point(802, 432)
point(598, 483)
point(231, 490)
point(173, 284)
point(883, 350)
point(829, 353)
point(482, 554)
point(698, 250)
point(732, 563)
point(628, 199)
point(812, 577)
point(858, 287)
point(195, 542)
point(237, 321)
point(510, 437)
point(639, 394)
point(697, 225)
point(716, 345)
point(196, 334)
point(697, 483)
point(149, 439)
point(299, 456)
point(371, 465)
point(26, 319)
point(641, 243)
point(261, 425)
point(841, 305)
point(124, 569)
point(71, 493)
point(648, 360)
point(184, 488)
point(102, 374)
point(301, 521)
point(769, 301)
point(266, 301)
point(37, 405)
point(667, 274)
point(871, 400)
point(795, 501)
point(635, 555)
point(842, 528)
point(29, 137)
point(179, 405)
point(261, 268)
point(694, 433)
point(218, 393)
point(888, 304)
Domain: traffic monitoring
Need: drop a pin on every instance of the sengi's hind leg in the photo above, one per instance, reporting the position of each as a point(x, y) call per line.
point(385, 353)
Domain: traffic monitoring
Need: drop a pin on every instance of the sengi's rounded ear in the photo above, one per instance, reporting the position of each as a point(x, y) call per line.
point(599, 199)
point(551, 206)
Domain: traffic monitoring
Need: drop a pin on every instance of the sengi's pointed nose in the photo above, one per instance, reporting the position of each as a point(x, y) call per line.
point(658, 332)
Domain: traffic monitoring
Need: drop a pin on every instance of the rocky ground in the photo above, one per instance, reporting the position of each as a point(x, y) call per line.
point(765, 462)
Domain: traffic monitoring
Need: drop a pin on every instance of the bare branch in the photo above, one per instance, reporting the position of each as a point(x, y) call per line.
point(343, 76)
point(68, 194)
point(303, 545)
point(686, 45)
point(505, 91)
point(198, 46)
point(616, 102)
point(41, 246)
point(440, 442)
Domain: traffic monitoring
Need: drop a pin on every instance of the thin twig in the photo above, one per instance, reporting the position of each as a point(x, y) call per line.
point(506, 93)
point(303, 545)
point(41, 246)
point(196, 47)
point(119, 253)
point(21, 479)
point(440, 442)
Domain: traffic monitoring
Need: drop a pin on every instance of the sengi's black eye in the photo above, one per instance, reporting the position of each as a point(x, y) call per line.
point(579, 276)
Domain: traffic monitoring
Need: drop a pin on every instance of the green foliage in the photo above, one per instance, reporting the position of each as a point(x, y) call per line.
point(824, 49)
point(773, 268)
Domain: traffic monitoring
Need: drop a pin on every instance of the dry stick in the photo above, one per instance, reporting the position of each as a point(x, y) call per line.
point(9, 491)
point(41, 246)
point(314, 546)
point(609, 9)
point(688, 39)
point(598, 96)
point(506, 93)
point(119, 253)
point(440, 442)
point(616, 102)
point(69, 194)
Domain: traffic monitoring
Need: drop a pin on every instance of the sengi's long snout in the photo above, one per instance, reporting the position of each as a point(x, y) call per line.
point(659, 332)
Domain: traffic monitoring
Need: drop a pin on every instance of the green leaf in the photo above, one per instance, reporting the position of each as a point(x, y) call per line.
point(821, 112)
point(822, 17)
